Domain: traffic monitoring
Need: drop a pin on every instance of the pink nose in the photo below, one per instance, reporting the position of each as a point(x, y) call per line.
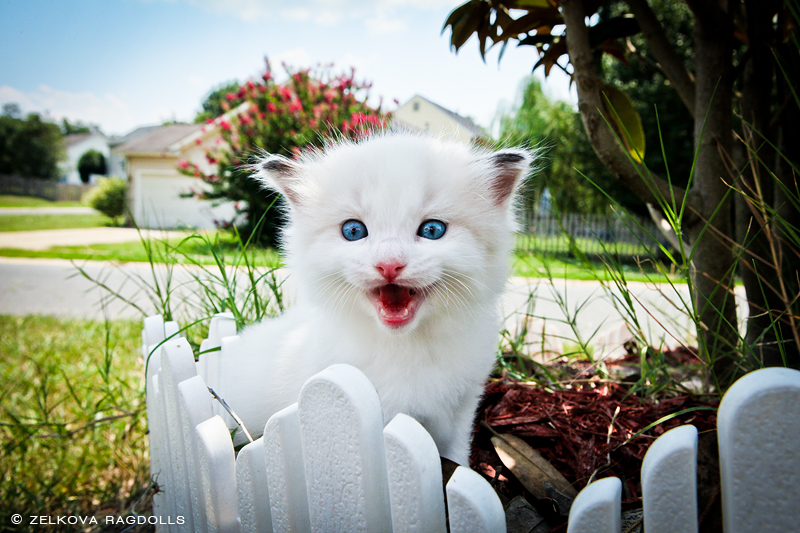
point(389, 269)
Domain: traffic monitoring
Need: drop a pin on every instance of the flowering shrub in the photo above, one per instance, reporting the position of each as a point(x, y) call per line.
point(285, 119)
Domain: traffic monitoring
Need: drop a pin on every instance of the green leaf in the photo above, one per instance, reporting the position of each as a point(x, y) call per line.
point(527, 4)
point(622, 114)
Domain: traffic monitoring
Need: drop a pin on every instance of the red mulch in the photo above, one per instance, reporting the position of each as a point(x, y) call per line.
point(571, 428)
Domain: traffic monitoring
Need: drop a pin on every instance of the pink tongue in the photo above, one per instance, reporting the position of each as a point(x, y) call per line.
point(394, 298)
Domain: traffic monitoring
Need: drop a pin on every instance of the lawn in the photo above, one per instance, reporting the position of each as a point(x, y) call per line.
point(73, 421)
point(32, 201)
point(39, 222)
point(199, 250)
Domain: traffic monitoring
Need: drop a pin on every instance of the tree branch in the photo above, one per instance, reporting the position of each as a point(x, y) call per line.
point(647, 186)
point(671, 63)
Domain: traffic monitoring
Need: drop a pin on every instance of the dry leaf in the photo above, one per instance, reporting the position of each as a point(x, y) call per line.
point(530, 468)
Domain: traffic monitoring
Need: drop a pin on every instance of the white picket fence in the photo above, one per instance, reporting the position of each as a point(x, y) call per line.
point(327, 464)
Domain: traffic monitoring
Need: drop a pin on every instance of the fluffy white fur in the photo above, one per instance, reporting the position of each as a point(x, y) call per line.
point(434, 367)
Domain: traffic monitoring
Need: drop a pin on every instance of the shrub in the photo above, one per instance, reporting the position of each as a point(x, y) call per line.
point(91, 162)
point(264, 116)
point(108, 197)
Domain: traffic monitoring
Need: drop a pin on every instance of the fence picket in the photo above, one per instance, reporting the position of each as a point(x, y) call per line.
point(472, 504)
point(195, 407)
point(218, 474)
point(759, 452)
point(177, 365)
point(251, 482)
point(327, 463)
point(669, 482)
point(597, 508)
point(341, 423)
point(415, 477)
point(283, 450)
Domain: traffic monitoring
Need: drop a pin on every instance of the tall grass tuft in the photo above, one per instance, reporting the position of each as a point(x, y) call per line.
point(72, 419)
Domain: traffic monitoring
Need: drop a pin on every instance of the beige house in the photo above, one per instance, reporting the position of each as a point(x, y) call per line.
point(420, 113)
point(156, 186)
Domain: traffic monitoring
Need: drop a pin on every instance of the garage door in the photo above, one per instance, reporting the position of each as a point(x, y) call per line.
point(158, 203)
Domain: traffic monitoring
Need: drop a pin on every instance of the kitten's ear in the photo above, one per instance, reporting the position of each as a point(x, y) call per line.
point(507, 168)
point(280, 173)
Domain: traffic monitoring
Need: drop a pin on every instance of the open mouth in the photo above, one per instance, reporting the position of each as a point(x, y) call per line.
point(396, 304)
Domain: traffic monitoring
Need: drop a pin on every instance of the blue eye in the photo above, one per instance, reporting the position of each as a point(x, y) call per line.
point(432, 229)
point(354, 230)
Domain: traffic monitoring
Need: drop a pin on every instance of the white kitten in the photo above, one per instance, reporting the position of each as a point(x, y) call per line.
point(399, 248)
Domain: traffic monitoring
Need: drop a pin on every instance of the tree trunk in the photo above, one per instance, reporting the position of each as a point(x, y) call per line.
point(711, 235)
point(769, 330)
point(708, 224)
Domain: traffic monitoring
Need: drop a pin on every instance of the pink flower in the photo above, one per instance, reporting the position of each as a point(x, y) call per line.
point(225, 124)
point(271, 107)
point(184, 164)
point(295, 106)
point(230, 96)
point(198, 141)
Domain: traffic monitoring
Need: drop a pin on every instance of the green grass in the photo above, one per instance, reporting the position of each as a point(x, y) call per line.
point(134, 251)
point(39, 222)
point(72, 418)
point(32, 201)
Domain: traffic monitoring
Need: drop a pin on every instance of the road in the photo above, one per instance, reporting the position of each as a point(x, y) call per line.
point(585, 311)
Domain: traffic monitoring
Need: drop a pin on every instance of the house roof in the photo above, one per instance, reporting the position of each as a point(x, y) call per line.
point(74, 138)
point(464, 122)
point(161, 139)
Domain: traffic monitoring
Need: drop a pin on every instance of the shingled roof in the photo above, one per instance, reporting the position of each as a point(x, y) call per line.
point(161, 140)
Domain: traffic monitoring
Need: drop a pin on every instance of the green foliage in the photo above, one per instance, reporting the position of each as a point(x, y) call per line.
point(29, 147)
point(91, 162)
point(555, 126)
point(284, 119)
point(212, 106)
point(70, 128)
point(108, 197)
point(72, 423)
point(661, 110)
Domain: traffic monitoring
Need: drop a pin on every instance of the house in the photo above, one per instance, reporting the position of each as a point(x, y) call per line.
point(75, 145)
point(420, 113)
point(157, 190)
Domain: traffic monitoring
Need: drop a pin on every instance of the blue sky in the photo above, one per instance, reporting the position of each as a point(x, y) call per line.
point(127, 63)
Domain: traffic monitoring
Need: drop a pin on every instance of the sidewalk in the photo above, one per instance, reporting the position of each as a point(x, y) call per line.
point(46, 238)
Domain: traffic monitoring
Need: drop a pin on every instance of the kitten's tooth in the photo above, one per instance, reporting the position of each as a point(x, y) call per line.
point(405, 312)
point(383, 311)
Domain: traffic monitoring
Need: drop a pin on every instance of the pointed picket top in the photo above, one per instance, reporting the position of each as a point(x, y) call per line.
point(283, 451)
point(341, 421)
point(669, 482)
point(759, 452)
point(597, 508)
point(415, 477)
point(473, 505)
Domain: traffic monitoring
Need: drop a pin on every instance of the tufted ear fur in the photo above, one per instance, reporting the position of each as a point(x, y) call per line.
point(506, 170)
point(282, 174)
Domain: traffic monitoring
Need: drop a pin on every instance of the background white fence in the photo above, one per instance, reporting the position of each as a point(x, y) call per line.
point(327, 464)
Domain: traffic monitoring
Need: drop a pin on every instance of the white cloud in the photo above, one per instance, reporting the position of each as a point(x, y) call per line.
point(297, 14)
point(108, 111)
point(295, 57)
point(322, 12)
point(382, 24)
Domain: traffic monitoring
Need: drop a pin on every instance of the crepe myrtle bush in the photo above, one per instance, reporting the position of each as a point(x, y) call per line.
point(286, 118)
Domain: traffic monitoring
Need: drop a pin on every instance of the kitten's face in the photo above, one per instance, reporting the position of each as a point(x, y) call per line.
point(399, 228)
